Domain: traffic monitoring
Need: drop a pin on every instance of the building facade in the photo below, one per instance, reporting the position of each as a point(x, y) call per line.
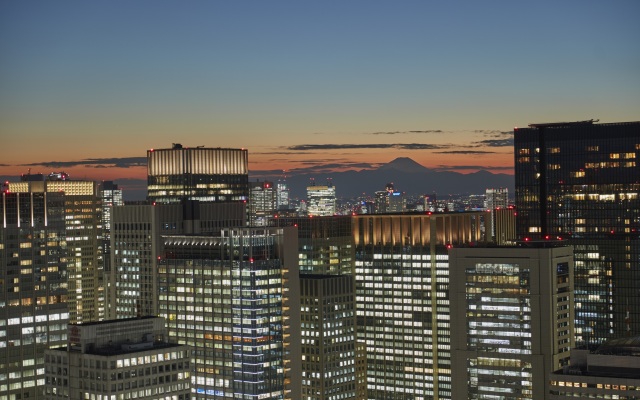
point(198, 173)
point(33, 288)
point(321, 200)
point(328, 337)
point(83, 222)
point(511, 319)
point(402, 299)
point(234, 298)
point(262, 203)
point(579, 181)
point(612, 371)
point(136, 244)
point(123, 359)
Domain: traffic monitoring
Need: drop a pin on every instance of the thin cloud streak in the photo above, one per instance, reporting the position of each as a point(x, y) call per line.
point(124, 162)
point(402, 146)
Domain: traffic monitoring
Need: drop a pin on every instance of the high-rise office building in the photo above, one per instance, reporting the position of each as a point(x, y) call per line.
point(402, 303)
point(111, 196)
point(136, 244)
point(33, 288)
point(612, 371)
point(328, 337)
point(234, 298)
point(321, 200)
point(85, 264)
point(121, 359)
point(579, 181)
point(325, 244)
point(496, 198)
point(282, 194)
point(390, 201)
point(262, 203)
point(511, 319)
point(197, 173)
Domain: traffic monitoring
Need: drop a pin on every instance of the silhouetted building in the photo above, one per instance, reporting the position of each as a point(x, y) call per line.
point(33, 288)
point(511, 319)
point(579, 181)
point(197, 173)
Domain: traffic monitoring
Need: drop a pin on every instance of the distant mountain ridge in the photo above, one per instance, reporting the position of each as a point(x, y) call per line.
point(407, 176)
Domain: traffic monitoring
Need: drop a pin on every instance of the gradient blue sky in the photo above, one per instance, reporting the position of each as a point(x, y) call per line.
point(90, 86)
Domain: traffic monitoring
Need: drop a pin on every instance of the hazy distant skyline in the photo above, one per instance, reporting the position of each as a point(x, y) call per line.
point(88, 87)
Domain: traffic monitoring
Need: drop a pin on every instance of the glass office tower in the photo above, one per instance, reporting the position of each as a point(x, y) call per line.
point(234, 298)
point(580, 181)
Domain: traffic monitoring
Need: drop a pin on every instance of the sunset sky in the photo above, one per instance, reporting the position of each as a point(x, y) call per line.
point(88, 87)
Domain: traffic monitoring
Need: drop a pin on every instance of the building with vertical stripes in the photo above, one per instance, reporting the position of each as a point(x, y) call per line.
point(33, 288)
point(197, 173)
point(402, 299)
point(235, 299)
point(85, 263)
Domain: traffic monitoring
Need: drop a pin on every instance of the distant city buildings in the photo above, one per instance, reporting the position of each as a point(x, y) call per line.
point(390, 201)
point(579, 181)
point(511, 319)
point(282, 194)
point(321, 200)
point(262, 203)
point(197, 173)
point(121, 359)
point(33, 288)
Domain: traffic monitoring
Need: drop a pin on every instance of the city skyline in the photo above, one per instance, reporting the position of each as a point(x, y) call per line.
point(88, 88)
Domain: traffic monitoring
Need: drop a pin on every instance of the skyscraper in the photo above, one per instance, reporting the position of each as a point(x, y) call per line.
point(282, 190)
point(33, 288)
point(85, 264)
point(321, 200)
point(579, 181)
point(402, 304)
point(511, 319)
point(234, 298)
point(328, 337)
point(198, 173)
point(136, 244)
point(262, 203)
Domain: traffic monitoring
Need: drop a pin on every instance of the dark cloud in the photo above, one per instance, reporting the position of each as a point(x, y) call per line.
point(403, 132)
point(496, 142)
point(402, 146)
point(124, 162)
point(468, 167)
point(466, 152)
